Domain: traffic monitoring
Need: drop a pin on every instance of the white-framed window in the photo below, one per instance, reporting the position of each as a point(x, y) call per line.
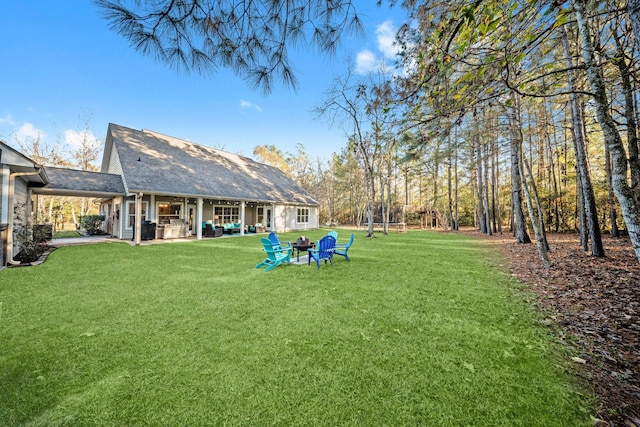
point(226, 215)
point(302, 216)
point(131, 213)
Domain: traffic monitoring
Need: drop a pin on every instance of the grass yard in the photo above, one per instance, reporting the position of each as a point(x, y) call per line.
point(418, 329)
point(66, 234)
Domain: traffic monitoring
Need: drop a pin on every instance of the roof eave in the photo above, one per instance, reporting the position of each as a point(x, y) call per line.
point(219, 197)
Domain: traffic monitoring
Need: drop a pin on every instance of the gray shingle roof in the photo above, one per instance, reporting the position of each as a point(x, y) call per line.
point(155, 163)
point(81, 183)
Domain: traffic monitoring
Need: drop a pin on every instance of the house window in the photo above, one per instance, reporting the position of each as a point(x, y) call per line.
point(303, 216)
point(226, 215)
point(131, 213)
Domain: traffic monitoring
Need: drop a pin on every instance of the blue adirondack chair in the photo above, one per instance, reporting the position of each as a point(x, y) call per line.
point(275, 257)
point(343, 248)
point(277, 244)
point(323, 251)
point(333, 234)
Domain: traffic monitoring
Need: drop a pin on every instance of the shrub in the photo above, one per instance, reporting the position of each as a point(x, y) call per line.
point(92, 224)
point(31, 242)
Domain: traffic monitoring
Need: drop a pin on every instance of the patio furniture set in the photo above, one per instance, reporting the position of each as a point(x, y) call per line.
point(211, 230)
point(280, 252)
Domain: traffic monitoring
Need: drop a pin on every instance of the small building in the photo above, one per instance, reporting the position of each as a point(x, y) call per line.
point(176, 186)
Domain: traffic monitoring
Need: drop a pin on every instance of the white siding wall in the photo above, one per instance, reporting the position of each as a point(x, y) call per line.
point(115, 166)
point(286, 218)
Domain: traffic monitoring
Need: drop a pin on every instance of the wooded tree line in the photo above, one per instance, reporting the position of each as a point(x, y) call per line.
point(536, 101)
point(502, 114)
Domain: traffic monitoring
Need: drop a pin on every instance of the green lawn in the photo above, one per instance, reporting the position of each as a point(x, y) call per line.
point(65, 234)
point(418, 329)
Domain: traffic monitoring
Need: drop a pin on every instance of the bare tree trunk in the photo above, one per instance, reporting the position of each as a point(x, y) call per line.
point(495, 208)
point(456, 214)
point(473, 183)
point(371, 204)
point(480, 183)
point(73, 216)
point(577, 128)
point(450, 192)
point(487, 212)
point(537, 227)
point(581, 214)
point(613, 215)
point(383, 208)
point(534, 188)
point(557, 197)
point(450, 181)
point(435, 180)
point(625, 194)
point(629, 112)
point(519, 221)
point(633, 9)
point(389, 174)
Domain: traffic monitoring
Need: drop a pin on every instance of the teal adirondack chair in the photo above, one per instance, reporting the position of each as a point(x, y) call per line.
point(275, 256)
point(343, 248)
point(333, 234)
point(323, 251)
point(277, 244)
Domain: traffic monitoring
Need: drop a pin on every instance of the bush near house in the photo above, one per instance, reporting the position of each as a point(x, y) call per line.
point(31, 242)
point(92, 224)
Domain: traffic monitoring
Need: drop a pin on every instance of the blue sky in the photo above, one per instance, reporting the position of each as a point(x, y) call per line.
point(62, 66)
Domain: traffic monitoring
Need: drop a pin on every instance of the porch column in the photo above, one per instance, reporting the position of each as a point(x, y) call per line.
point(4, 200)
point(37, 208)
point(199, 219)
point(242, 206)
point(152, 213)
point(273, 217)
point(185, 206)
point(138, 219)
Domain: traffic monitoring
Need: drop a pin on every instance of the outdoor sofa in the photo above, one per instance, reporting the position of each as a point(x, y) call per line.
point(231, 228)
point(257, 228)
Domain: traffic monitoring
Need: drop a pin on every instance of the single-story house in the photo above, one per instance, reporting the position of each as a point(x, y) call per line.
point(156, 186)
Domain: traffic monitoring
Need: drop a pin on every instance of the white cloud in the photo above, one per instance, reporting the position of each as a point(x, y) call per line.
point(365, 62)
point(74, 139)
point(8, 120)
point(386, 34)
point(29, 132)
point(368, 61)
point(248, 104)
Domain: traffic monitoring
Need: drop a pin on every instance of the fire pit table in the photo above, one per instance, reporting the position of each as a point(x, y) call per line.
point(302, 245)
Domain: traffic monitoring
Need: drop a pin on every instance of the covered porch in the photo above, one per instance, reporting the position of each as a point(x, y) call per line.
point(141, 217)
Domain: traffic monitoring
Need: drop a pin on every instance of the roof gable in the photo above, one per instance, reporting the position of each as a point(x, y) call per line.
point(18, 162)
point(155, 163)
